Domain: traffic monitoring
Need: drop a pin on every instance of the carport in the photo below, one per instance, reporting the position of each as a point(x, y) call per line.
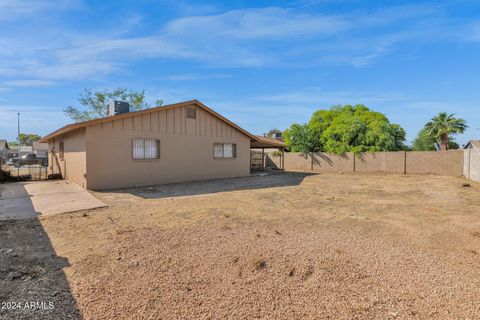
point(262, 143)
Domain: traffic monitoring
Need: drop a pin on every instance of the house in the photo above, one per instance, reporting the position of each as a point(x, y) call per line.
point(472, 144)
point(185, 141)
point(4, 148)
point(40, 149)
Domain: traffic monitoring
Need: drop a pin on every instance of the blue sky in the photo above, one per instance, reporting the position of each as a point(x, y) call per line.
point(262, 64)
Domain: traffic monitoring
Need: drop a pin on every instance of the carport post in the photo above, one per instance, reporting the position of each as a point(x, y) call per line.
point(283, 158)
point(263, 159)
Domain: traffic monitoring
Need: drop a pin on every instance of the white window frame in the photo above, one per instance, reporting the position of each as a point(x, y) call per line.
point(140, 151)
point(222, 144)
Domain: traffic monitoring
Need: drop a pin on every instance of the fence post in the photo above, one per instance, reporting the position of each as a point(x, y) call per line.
point(263, 159)
point(311, 161)
point(404, 162)
point(354, 156)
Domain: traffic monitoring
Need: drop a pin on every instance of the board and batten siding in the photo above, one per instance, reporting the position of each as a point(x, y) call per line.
point(186, 149)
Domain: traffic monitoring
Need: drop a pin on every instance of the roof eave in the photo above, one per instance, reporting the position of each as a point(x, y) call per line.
point(74, 126)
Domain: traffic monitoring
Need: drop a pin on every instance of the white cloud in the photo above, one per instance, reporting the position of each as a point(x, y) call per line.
point(365, 60)
point(14, 9)
point(258, 24)
point(238, 38)
point(197, 76)
point(31, 83)
point(316, 97)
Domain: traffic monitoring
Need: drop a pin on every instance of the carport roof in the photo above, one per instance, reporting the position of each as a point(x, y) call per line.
point(267, 142)
point(255, 141)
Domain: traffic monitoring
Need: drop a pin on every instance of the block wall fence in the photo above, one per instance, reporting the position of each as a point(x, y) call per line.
point(448, 163)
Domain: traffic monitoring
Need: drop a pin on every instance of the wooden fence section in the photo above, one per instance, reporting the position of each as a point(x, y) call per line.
point(448, 163)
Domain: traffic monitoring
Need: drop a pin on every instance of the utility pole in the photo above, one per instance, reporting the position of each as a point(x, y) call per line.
point(18, 127)
point(18, 139)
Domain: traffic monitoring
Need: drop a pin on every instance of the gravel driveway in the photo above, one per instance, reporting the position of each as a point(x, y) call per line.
point(288, 246)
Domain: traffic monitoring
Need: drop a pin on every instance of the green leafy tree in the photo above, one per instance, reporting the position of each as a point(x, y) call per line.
point(453, 145)
point(356, 129)
point(442, 126)
point(96, 103)
point(302, 138)
point(26, 139)
point(423, 142)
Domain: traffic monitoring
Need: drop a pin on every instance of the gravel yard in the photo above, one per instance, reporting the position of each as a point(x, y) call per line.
point(285, 246)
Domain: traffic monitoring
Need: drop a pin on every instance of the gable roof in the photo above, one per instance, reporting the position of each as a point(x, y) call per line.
point(474, 143)
point(83, 124)
point(4, 145)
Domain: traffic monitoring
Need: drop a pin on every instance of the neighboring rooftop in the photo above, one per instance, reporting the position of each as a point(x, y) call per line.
point(4, 145)
point(40, 146)
point(475, 144)
point(23, 149)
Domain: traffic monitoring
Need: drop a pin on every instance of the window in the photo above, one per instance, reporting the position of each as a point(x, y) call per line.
point(191, 113)
point(224, 150)
point(218, 150)
point(60, 149)
point(144, 149)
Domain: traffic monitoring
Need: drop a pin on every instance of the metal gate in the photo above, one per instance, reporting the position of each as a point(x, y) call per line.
point(256, 161)
point(24, 173)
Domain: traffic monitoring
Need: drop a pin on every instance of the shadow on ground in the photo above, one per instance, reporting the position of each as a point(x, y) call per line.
point(257, 181)
point(32, 282)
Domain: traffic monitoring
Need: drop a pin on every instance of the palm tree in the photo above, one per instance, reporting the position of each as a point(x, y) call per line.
point(442, 126)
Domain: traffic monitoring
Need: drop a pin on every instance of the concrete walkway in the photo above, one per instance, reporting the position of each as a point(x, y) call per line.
point(22, 200)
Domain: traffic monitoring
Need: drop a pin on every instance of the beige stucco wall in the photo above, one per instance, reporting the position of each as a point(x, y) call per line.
point(448, 163)
point(390, 162)
point(186, 150)
point(294, 161)
point(471, 167)
point(73, 166)
point(329, 162)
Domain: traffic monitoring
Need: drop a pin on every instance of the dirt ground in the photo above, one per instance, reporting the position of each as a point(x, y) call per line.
point(289, 246)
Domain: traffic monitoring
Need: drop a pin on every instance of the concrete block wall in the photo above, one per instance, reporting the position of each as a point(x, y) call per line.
point(392, 162)
point(329, 162)
point(297, 161)
point(448, 163)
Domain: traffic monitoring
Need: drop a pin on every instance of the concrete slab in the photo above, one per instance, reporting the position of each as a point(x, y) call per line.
point(28, 199)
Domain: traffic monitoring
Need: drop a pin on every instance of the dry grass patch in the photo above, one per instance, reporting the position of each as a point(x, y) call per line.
point(276, 247)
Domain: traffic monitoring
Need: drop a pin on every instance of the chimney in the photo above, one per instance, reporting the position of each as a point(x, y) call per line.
point(118, 107)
